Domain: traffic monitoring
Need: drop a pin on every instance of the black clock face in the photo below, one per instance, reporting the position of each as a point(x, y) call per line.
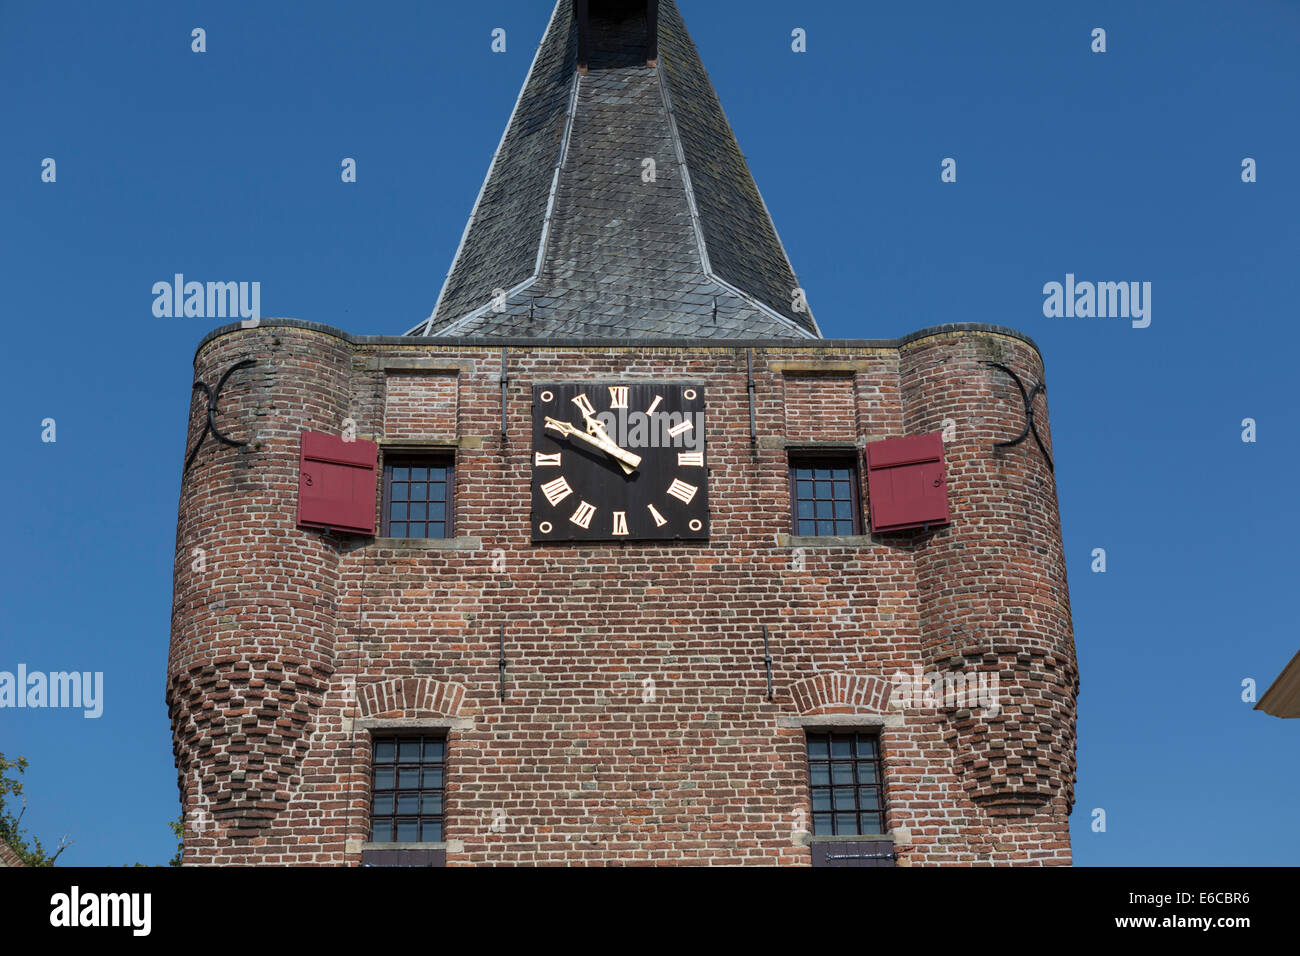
point(619, 462)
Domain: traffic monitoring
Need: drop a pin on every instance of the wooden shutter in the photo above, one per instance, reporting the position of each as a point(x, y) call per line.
point(907, 483)
point(336, 483)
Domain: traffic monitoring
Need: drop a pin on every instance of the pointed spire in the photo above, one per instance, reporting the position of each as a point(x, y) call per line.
point(618, 204)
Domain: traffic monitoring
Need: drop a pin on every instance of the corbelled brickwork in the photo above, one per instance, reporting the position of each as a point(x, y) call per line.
point(636, 726)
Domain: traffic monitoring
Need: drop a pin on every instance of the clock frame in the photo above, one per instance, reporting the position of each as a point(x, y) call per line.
point(582, 492)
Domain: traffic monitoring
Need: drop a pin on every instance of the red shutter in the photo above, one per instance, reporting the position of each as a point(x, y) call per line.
point(336, 483)
point(907, 483)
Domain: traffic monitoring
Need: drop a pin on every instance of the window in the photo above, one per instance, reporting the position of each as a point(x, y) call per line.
point(407, 784)
point(847, 784)
point(417, 496)
point(824, 493)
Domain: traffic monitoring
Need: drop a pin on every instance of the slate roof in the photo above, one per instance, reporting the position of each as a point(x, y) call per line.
point(566, 225)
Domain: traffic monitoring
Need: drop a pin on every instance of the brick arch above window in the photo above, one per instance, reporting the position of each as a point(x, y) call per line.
point(840, 693)
point(411, 697)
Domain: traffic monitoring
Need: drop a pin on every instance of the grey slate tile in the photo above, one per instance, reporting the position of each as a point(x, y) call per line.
point(622, 256)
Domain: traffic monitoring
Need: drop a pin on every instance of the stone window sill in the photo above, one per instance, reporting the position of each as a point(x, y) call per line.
point(429, 544)
point(850, 838)
point(445, 845)
point(898, 836)
point(828, 541)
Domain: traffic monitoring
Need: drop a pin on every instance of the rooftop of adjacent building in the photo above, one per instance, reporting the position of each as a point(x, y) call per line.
point(1282, 699)
point(8, 857)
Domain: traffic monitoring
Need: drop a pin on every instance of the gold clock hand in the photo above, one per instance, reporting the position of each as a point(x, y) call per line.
point(624, 458)
point(596, 429)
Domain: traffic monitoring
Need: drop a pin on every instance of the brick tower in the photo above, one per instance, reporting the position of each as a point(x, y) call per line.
point(613, 558)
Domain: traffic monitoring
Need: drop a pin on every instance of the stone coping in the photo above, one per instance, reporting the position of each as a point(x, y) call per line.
point(685, 344)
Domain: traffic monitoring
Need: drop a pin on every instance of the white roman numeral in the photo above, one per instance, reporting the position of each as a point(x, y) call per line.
point(686, 459)
point(682, 491)
point(582, 517)
point(539, 459)
point(620, 522)
point(654, 405)
point(618, 396)
point(682, 428)
point(584, 403)
point(557, 490)
point(660, 520)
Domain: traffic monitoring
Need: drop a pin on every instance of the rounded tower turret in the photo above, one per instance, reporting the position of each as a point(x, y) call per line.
point(255, 596)
point(994, 606)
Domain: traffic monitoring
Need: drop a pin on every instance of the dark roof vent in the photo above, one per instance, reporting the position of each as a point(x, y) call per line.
point(617, 33)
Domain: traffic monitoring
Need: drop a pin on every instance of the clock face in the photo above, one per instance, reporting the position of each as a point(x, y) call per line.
point(619, 462)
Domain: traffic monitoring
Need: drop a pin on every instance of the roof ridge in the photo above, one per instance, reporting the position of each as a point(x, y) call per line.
point(700, 238)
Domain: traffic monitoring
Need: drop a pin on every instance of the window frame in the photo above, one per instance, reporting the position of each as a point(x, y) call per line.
point(426, 459)
point(397, 736)
point(832, 457)
point(855, 733)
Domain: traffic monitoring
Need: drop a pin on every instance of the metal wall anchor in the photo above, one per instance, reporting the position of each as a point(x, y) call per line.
point(213, 395)
point(1030, 427)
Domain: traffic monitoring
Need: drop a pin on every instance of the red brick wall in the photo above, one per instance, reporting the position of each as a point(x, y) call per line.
point(420, 406)
point(820, 408)
point(636, 727)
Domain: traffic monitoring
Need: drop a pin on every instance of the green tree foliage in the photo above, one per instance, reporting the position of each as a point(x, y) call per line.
point(178, 828)
point(11, 831)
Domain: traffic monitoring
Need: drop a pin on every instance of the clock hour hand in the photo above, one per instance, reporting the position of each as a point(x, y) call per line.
point(626, 459)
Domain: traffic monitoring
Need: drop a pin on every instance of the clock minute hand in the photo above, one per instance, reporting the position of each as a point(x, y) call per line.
point(564, 428)
point(572, 431)
point(569, 431)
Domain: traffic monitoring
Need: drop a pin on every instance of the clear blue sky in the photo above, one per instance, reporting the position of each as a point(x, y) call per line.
point(1117, 166)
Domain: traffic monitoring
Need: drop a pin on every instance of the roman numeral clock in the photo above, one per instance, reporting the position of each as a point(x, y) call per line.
point(614, 462)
